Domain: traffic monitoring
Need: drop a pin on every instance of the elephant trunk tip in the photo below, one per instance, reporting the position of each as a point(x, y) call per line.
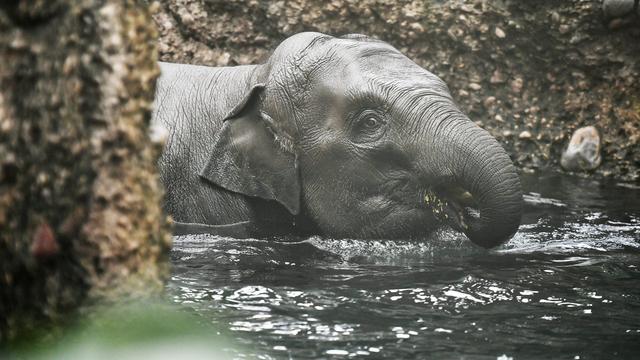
point(495, 222)
point(489, 237)
point(487, 223)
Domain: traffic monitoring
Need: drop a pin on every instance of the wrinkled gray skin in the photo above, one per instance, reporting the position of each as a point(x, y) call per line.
point(343, 137)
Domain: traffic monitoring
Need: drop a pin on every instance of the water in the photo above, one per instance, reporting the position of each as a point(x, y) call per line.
point(566, 287)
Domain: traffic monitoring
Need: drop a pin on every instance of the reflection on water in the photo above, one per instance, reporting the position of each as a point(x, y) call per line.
point(567, 286)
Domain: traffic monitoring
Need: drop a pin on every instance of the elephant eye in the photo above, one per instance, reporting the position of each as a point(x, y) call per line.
point(370, 123)
point(369, 127)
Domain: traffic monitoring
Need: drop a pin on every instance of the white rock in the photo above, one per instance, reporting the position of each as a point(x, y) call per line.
point(525, 135)
point(583, 151)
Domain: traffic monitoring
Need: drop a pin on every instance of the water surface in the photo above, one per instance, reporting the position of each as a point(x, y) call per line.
point(567, 286)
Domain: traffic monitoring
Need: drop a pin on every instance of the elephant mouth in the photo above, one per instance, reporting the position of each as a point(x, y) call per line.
point(453, 206)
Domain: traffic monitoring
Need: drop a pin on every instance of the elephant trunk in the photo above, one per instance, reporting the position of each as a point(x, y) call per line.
point(481, 183)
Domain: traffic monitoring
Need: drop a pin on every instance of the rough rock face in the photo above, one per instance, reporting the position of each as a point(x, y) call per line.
point(80, 213)
point(530, 72)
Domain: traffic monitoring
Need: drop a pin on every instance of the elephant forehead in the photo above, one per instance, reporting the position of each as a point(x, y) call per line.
point(387, 71)
point(343, 80)
point(354, 83)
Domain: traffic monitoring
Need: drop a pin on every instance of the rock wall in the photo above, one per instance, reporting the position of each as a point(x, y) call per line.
point(530, 72)
point(80, 213)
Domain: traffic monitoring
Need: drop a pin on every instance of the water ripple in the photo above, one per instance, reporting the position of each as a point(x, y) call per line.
point(568, 280)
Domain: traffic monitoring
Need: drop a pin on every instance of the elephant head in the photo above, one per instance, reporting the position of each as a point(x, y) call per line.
point(361, 141)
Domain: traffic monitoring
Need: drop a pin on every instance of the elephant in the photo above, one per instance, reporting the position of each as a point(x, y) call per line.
point(341, 137)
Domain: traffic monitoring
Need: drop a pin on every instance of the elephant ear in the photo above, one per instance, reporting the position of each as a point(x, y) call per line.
point(250, 159)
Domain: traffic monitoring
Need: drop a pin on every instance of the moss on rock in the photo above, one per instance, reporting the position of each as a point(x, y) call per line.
point(80, 213)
